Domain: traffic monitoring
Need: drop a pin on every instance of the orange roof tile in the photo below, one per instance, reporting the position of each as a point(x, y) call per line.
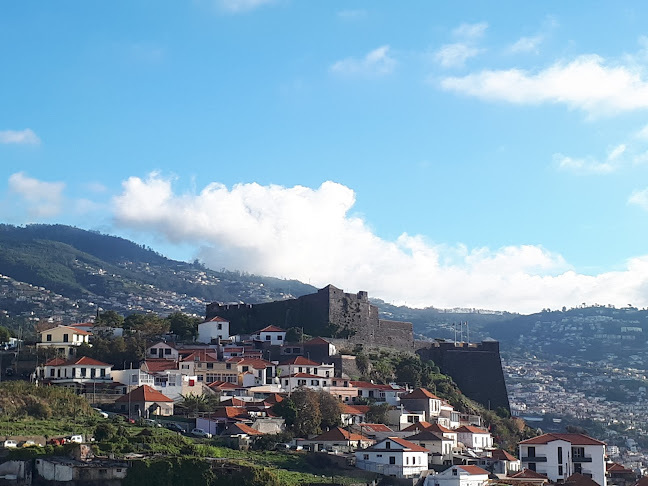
point(473, 469)
point(338, 433)
point(301, 361)
point(144, 393)
point(575, 439)
point(471, 429)
point(271, 329)
point(420, 393)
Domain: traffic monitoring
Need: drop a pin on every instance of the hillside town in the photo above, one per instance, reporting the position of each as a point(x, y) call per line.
point(391, 430)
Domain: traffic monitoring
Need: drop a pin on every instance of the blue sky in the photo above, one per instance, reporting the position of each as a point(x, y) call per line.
point(470, 155)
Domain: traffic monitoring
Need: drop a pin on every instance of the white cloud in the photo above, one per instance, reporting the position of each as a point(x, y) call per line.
point(240, 6)
point(470, 31)
point(21, 137)
point(352, 14)
point(587, 83)
point(639, 198)
point(455, 55)
point(376, 63)
point(43, 199)
point(527, 44)
point(583, 165)
point(309, 234)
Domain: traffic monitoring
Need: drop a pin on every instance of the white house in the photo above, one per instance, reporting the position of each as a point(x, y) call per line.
point(423, 399)
point(162, 350)
point(458, 476)
point(393, 457)
point(214, 328)
point(440, 447)
point(339, 440)
point(76, 371)
point(271, 335)
point(558, 456)
point(381, 393)
point(474, 437)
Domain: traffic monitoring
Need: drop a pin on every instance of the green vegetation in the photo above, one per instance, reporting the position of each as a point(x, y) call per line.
point(308, 412)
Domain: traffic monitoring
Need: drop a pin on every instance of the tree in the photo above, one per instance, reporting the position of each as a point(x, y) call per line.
point(308, 417)
point(148, 325)
point(287, 410)
point(5, 335)
point(110, 319)
point(378, 413)
point(105, 431)
point(183, 326)
point(330, 410)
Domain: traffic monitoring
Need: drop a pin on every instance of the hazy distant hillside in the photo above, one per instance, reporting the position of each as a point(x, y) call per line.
point(89, 266)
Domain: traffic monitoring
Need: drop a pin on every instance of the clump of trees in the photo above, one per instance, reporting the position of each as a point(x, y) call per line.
point(309, 412)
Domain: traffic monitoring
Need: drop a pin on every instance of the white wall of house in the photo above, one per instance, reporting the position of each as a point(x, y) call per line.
point(455, 476)
point(395, 462)
point(213, 330)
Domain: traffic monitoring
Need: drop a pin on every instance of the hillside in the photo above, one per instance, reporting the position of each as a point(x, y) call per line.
point(56, 269)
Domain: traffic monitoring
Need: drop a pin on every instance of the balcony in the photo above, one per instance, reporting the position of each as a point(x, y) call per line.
point(534, 459)
point(579, 459)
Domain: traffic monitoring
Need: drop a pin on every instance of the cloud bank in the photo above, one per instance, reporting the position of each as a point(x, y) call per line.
point(312, 235)
point(19, 137)
point(43, 199)
point(376, 63)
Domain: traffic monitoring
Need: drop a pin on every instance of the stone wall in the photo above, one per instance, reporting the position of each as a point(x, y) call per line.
point(475, 368)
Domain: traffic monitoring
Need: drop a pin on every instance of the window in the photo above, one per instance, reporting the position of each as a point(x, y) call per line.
point(49, 338)
point(83, 372)
point(578, 453)
point(210, 366)
point(267, 337)
point(93, 372)
point(167, 351)
point(66, 338)
point(220, 327)
point(285, 382)
point(228, 366)
point(387, 445)
point(560, 456)
point(365, 457)
point(407, 461)
point(280, 338)
point(531, 451)
point(560, 470)
point(52, 372)
point(314, 382)
point(532, 466)
point(392, 460)
point(103, 372)
point(454, 472)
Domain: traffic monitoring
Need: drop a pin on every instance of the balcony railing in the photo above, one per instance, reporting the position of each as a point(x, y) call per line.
point(578, 459)
point(534, 459)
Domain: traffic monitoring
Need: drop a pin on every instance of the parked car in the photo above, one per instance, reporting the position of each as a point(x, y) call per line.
point(175, 427)
point(151, 423)
point(76, 439)
point(282, 446)
point(197, 432)
point(8, 444)
point(100, 412)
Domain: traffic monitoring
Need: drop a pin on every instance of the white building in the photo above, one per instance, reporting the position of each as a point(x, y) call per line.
point(214, 328)
point(271, 335)
point(162, 350)
point(393, 457)
point(558, 456)
point(63, 340)
point(474, 437)
point(458, 476)
point(58, 371)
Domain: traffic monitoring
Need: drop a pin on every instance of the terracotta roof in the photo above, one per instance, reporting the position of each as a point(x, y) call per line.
point(502, 455)
point(426, 435)
point(216, 319)
point(230, 412)
point(350, 409)
point(256, 363)
point(366, 384)
point(338, 433)
point(271, 329)
point(617, 468)
point(441, 429)
point(81, 324)
point(305, 375)
point(55, 362)
point(574, 439)
point(223, 385)
point(471, 429)
point(528, 474)
point(409, 446)
point(144, 393)
point(580, 480)
point(170, 345)
point(473, 469)
point(301, 361)
point(420, 393)
point(239, 428)
point(375, 427)
point(642, 482)
point(416, 426)
point(78, 331)
point(317, 341)
point(233, 402)
point(154, 365)
point(202, 355)
point(273, 398)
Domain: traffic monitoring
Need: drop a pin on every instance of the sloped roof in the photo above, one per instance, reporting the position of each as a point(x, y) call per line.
point(300, 361)
point(230, 412)
point(642, 482)
point(317, 341)
point(83, 361)
point(256, 363)
point(417, 426)
point(273, 398)
point(233, 402)
point(350, 410)
point(375, 427)
point(473, 469)
point(240, 428)
point(405, 444)
point(215, 319)
point(441, 429)
point(420, 394)
point(55, 362)
point(271, 329)
point(528, 474)
point(613, 467)
point(202, 355)
point(144, 393)
point(306, 375)
point(338, 433)
point(72, 329)
point(575, 439)
point(502, 455)
point(471, 429)
point(223, 385)
point(426, 435)
point(580, 480)
point(154, 365)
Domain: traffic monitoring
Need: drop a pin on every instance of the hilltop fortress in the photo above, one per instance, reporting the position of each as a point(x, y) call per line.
point(331, 312)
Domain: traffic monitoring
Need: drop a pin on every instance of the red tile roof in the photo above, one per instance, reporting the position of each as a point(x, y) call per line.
point(230, 412)
point(223, 385)
point(271, 329)
point(155, 365)
point(617, 468)
point(420, 394)
point(473, 469)
point(575, 439)
point(81, 361)
point(202, 356)
point(338, 433)
point(471, 429)
point(502, 455)
point(350, 410)
point(580, 480)
point(375, 427)
point(55, 362)
point(416, 426)
point(301, 361)
point(273, 398)
point(144, 393)
point(441, 429)
point(240, 428)
point(216, 319)
point(305, 375)
point(317, 341)
point(528, 474)
point(406, 444)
